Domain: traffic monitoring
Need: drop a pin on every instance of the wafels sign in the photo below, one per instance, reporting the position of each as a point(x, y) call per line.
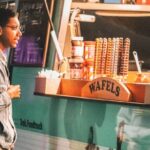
point(106, 88)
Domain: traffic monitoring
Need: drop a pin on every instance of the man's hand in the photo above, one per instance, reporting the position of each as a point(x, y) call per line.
point(14, 91)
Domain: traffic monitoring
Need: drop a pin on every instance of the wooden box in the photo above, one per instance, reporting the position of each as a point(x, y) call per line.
point(72, 87)
point(140, 92)
point(47, 86)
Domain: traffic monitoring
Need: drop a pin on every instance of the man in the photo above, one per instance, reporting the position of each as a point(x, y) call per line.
point(9, 36)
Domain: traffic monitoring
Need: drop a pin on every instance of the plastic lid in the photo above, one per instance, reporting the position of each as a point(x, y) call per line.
point(90, 62)
point(89, 42)
point(76, 60)
point(77, 38)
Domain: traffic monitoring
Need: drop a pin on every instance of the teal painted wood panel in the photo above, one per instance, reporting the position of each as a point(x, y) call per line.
point(73, 118)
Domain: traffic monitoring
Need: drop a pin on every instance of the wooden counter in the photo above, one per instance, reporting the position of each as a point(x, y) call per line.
point(93, 99)
point(101, 89)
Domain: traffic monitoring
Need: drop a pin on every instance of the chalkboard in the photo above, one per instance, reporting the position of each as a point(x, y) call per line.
point(34, 23)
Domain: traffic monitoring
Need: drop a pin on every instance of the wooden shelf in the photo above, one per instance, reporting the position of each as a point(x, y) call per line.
point(111, 7)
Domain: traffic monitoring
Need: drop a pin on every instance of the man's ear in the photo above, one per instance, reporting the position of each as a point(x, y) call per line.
point(1, 30)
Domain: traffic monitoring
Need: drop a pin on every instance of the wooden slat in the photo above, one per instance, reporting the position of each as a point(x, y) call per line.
point(115, 7)
point(63, 28)
point(51, 7)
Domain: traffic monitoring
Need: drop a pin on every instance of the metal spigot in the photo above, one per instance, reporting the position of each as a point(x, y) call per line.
point(91, 145)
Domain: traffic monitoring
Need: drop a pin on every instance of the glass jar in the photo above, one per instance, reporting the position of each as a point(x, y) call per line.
point(89, 50)
point(77, 47)
point(90, 69)
point(76, 68)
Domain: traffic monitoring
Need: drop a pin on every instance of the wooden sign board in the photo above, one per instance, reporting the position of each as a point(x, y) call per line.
point(106, 88)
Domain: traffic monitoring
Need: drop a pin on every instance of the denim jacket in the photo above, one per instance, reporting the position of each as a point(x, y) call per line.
point(7, 128)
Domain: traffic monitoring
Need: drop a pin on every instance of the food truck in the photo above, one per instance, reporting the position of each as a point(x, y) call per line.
point(83, 67)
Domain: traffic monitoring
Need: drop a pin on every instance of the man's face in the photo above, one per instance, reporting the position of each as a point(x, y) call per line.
point(11, 33)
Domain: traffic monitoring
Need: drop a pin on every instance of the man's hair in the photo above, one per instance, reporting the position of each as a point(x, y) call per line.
point(5, 14)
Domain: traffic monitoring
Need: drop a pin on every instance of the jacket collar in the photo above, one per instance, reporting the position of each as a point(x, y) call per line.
point(3, 58)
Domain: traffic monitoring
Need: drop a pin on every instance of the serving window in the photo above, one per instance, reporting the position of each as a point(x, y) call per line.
point(135, 28)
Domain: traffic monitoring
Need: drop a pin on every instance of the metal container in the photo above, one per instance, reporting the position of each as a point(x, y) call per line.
point(132, 65)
